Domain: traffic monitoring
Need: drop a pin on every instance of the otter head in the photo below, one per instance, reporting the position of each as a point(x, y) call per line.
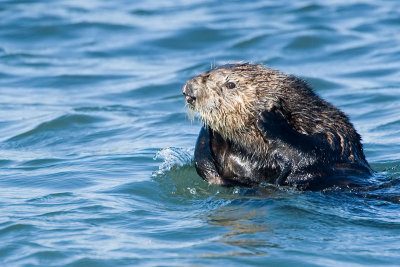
point(225, 98)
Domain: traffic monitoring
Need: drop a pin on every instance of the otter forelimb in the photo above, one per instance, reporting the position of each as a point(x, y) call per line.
point(273, 126)
point(204, 161)
point(297, 151)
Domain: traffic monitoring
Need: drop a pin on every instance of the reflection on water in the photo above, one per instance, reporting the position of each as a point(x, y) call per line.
point(243, 230)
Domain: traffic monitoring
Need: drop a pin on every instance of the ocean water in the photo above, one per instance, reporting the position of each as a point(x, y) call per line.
point(96, 146)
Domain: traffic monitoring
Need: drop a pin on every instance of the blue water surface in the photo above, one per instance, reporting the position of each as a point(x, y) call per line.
point(96, 147)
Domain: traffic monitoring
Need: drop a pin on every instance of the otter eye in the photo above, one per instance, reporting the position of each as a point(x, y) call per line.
point(230, 85)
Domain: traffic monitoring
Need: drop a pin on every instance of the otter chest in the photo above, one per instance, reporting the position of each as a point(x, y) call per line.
point(235, 164)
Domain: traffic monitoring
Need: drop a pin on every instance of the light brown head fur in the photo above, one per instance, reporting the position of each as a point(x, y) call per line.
point(232, 110)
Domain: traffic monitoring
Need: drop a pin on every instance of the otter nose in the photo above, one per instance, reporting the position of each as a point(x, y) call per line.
point(189, 93)
point(187, 89)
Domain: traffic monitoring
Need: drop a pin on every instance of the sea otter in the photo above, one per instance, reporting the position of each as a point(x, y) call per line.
point(264, 126)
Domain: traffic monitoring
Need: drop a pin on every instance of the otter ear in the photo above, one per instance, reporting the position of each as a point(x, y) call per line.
point(243, 64)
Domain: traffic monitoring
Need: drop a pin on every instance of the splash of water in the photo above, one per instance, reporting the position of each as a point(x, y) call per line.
point(173, 157)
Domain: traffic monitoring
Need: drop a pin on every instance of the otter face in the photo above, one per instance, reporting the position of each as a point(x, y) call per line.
point(223, 97)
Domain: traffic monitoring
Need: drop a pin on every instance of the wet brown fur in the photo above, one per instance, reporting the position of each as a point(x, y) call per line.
point(233, 112)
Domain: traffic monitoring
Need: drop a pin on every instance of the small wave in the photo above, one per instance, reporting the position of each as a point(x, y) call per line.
point(16, 229)
point(55, 198)
point(60, 123)
point(250, 41)
point(177, 175)
point(54, 131)
point(308, 8)
point(69, 81)
point(109, 108)
point(308, 42)
point(173, 157)
point(194, 38)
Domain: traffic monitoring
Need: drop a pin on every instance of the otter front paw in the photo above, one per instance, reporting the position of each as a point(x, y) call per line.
point(271, 125)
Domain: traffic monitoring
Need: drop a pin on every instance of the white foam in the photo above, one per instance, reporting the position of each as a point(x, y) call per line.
point(173, 156)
